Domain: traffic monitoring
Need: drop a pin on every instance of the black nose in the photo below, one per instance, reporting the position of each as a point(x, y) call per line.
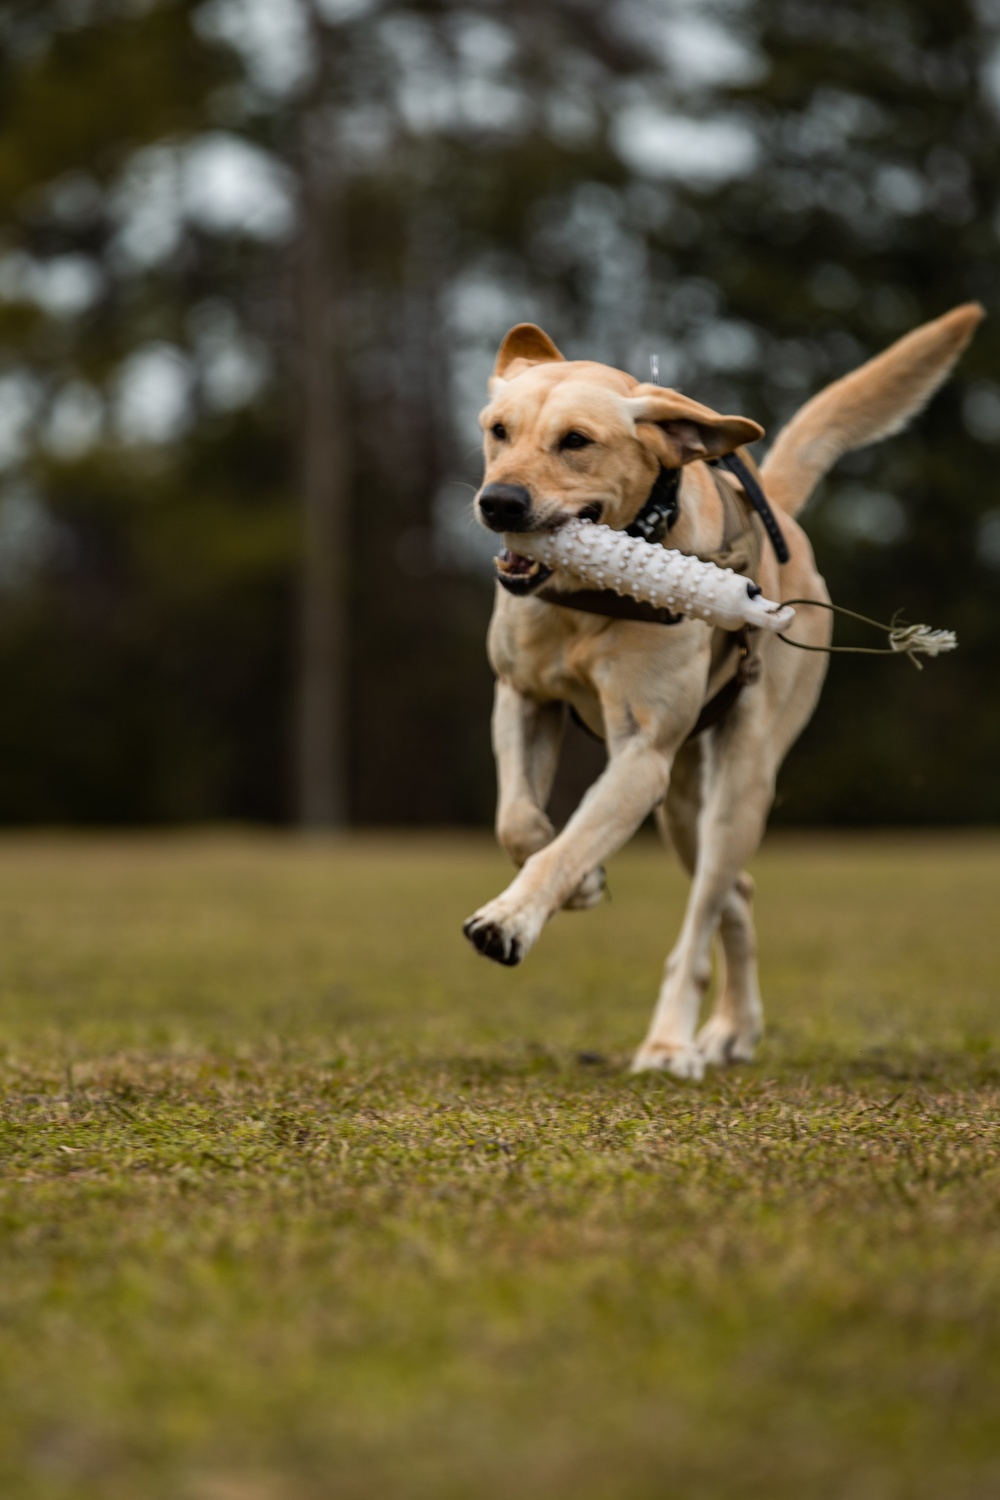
point(505, 507)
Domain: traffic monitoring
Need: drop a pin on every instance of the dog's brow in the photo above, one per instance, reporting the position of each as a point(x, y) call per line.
point(490, 415)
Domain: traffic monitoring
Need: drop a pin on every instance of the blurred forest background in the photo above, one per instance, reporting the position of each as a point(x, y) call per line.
point(255, 259)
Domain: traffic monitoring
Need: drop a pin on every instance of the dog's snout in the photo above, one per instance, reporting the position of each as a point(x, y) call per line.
point(505, 507)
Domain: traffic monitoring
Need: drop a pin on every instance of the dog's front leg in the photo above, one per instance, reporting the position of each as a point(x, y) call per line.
point(527, 734)
point(634, 781)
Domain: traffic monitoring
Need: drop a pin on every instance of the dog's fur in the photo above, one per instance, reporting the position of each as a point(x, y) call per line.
point(642, 686)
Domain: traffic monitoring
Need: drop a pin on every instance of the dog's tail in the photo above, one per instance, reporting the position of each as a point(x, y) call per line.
point(872, 402)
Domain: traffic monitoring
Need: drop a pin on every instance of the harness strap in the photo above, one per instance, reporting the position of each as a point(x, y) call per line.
point(717, 707)
point(742, 530)
point(607, 602)
point(747, 671)
point(740, 468)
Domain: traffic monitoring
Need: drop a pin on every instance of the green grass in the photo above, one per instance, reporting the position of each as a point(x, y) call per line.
point(300, 1199)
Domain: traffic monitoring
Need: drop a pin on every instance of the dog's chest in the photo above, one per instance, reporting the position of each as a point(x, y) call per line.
point(543, 650)
point(547, 653)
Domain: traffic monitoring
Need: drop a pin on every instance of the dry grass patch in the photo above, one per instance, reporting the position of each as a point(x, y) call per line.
point(300, 1199)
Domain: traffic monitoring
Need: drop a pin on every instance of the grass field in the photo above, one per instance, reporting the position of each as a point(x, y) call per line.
point(300, 1199)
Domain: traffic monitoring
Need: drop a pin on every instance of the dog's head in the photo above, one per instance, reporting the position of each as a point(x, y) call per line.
point(565, 440)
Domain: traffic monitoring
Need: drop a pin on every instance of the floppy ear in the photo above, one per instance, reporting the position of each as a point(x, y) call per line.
point(679, 430)
point(523, 346)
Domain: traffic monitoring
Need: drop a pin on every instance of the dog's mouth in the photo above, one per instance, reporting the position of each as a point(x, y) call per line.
point(523, 575)
point(520, 575)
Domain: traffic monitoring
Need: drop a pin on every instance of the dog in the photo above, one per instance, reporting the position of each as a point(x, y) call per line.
point(567, 439)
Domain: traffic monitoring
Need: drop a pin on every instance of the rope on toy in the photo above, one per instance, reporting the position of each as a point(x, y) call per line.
point(601, 558)
point(904, 640)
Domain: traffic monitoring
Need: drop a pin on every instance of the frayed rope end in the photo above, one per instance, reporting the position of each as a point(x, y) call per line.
point(921, 640)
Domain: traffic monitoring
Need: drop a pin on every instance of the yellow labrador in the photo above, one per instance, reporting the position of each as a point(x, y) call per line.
point(565, 439)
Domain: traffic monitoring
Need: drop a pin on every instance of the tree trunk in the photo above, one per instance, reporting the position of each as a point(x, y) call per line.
point(322, 756)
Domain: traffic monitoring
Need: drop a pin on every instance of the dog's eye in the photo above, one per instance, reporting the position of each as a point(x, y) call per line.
point(575, 440)
point(499, 431)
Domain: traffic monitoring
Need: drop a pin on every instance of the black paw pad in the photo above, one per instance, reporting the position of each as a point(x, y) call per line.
point(490, 941)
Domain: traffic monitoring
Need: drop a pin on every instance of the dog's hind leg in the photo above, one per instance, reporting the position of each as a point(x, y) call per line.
point(677, 815)
point(736, 1024)
point(736, 793)
point(737, 1019)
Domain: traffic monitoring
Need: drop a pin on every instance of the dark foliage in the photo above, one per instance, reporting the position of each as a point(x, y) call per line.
point(147, 612)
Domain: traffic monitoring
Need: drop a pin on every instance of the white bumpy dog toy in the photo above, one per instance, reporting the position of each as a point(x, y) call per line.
point(599, 558)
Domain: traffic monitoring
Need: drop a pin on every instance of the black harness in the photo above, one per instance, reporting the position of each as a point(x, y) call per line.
point(751, 488)
point(656, 518)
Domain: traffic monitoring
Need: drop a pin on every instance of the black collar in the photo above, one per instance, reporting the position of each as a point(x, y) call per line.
point(652, 524)
point(661, 508)
point(656, 518)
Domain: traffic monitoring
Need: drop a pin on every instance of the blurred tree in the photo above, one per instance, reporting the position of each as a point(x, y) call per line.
point(308, 313)
point(254, 258)
point(322, 781)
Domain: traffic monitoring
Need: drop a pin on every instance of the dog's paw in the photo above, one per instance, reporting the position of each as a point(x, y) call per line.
point(590, 891)
point(499, 933)
point(663, 1057)
point(722, 1041)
